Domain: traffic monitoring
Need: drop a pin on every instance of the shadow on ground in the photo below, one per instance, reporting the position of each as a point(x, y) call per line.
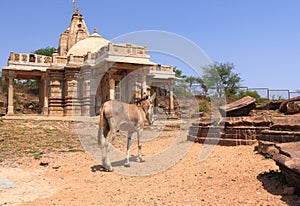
point(274, 182)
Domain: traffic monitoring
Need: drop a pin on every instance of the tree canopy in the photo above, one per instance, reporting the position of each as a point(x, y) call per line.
point(47, 51)
point(222, 78)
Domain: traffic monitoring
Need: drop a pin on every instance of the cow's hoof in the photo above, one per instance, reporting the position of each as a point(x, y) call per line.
point(127, 164)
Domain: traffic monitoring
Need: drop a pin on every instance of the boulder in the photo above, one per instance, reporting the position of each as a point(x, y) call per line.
point(291, 106)
point(241, 107)
point(272, 105)
point(288, 160)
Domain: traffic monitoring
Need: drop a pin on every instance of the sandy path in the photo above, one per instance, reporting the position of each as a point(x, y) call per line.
point(228, 177)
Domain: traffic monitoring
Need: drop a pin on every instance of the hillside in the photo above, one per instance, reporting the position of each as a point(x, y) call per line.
point(25, 97)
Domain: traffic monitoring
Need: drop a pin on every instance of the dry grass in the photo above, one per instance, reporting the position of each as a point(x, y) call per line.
point(20, 138)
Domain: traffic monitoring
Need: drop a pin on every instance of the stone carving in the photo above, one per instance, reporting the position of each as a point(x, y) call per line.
point(24, 57)
point(17, 57)
point(39, 59)
point(47, 60)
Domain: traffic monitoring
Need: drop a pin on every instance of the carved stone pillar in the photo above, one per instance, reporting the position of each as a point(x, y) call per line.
point(10, 100)
point(72, 102)
point(111, 88)
point(45, 94)
point(171, 100)
point(56, 92)
point(144, 85)
point(41, 95)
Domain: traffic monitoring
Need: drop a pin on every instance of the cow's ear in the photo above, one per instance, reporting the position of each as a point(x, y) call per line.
point(152, 97)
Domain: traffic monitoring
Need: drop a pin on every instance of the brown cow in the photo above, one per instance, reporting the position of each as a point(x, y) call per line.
point(115, 116)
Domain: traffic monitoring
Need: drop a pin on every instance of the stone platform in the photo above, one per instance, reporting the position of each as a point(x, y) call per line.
point(229, 131)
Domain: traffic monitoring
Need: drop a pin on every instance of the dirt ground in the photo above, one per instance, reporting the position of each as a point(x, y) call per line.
point(48, 165)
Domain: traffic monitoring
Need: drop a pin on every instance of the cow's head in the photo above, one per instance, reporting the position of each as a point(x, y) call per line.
point(148, 107)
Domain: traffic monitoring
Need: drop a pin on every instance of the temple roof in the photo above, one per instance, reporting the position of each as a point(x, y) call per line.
point(91, 44)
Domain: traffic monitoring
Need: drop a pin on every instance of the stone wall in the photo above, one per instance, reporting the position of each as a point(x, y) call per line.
point(229, 131)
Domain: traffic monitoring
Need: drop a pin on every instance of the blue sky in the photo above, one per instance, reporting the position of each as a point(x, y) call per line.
point(261, 37)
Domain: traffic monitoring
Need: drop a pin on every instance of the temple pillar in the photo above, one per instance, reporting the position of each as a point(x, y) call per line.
point(10, 100)
point(171, 100)
point(41, 95)
point(144, 85)
point(56, 92)
point(45, 94)
point(111, 88)
point(157, 96)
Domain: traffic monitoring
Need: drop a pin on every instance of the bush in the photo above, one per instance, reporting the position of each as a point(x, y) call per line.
point(203, 106)
point(254, 94)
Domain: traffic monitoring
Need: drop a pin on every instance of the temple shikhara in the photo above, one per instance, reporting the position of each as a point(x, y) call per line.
point(86, 71)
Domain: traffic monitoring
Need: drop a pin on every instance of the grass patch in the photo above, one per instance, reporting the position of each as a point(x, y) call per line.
point(38, 156)
point(72, 150)
point(34, 138)
point(268, 156)
point(203, 106)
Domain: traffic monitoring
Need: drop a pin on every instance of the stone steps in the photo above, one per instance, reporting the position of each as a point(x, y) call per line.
point(224, 135)
point(279, 136)
point(222, 141)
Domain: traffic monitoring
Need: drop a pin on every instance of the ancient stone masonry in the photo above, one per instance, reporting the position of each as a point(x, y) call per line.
point(277, 136)
point(291, 106)
point(229, 131)
point(56, 91)
point(86, 71)
point(284, 129)
point(287, 157)
point(241, 107)
point(244, 130)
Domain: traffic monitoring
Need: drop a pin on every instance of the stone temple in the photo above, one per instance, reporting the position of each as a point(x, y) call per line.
point(86, 71)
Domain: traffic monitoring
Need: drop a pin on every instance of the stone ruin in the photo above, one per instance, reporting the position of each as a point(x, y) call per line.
point(274, 125)
point(235, 127)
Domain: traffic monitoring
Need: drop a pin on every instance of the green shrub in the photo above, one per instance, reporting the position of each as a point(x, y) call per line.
point(254, 94)
point(203, 106)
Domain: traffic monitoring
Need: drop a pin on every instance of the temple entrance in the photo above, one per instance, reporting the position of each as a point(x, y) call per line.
point(26, 94)
point(26, 97)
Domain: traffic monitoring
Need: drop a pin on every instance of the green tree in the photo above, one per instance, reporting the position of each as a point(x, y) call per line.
point(220, 76)
point(178, 73)
point(47, 51)
point(200, 81)
point(190, 80)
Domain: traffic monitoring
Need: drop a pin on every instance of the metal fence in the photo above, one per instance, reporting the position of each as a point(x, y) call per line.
point(266, 93)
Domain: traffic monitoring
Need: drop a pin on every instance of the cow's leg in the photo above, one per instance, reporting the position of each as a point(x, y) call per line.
point(140, 156)
point(127, 163)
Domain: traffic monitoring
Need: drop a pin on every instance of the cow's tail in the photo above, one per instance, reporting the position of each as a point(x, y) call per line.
point(103, 125)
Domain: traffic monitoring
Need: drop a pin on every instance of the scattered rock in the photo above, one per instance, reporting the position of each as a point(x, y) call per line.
point(290, 106)
point(44, 164)
point(55, 167)
point(288, 160)
point(288, 191)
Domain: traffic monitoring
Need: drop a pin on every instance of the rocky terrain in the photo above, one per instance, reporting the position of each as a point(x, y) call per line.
point(25, 97)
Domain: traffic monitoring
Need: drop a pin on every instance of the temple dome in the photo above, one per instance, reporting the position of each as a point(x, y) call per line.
point(91, 44)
